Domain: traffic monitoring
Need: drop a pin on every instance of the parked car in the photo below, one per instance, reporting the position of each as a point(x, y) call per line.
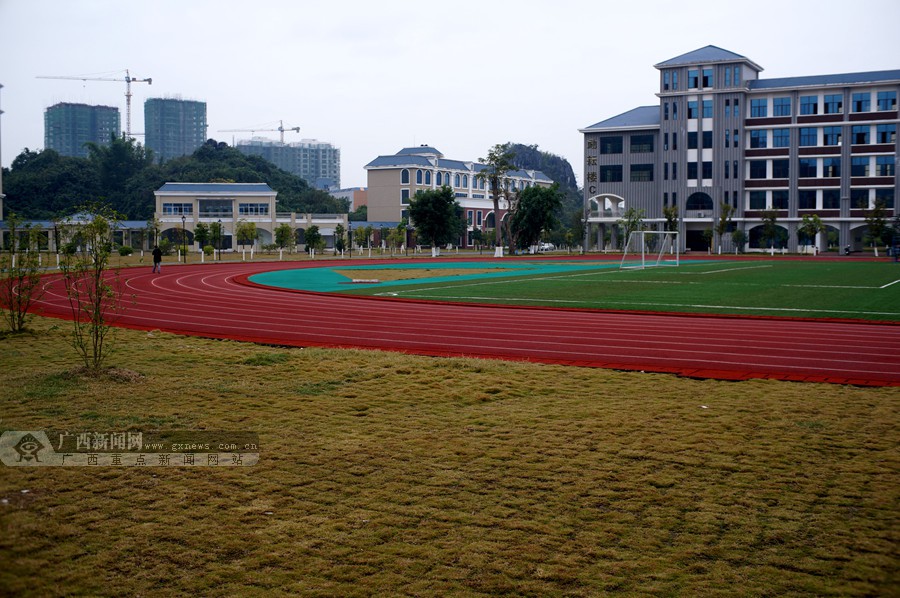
point(546, 247)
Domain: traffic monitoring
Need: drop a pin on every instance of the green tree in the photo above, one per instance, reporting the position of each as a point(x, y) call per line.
point(810, 227)
point(359, 236)
point(670, 213)
point(44, 185)
point(314, 239)
point(876, 219)
point(497, 165)
point(708, 235)
point(284, 236)
point(434, 214)
point(534, 214)
point(360, 214)
point(340, 236)
point(245, 232)
point(153, 226)
point(95, 297)
point(201, 234)
point(20, 274)
point(632, 220)
point(738, 239)
point(216, 236)
point(770, 228)
point(724, 221)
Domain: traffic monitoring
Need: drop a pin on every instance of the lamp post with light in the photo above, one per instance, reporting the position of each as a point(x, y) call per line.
point(184, 237)
point(219, 242)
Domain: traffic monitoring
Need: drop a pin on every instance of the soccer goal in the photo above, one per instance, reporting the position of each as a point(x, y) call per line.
point(650, 248)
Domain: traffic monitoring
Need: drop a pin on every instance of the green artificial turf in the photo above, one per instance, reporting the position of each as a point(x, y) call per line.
point(809, 289)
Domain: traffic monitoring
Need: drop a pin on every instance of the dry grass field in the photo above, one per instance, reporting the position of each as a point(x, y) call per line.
point(386, 474)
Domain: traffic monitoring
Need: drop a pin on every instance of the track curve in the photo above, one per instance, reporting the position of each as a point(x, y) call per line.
point(216, 300)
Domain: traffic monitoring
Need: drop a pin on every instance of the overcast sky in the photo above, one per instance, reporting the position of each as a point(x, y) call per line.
point(372, 77)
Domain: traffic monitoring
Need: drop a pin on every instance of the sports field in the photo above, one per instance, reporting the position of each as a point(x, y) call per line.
point(806, 289)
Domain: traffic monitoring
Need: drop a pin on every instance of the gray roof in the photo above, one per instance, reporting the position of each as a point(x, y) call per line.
point(407, 159)
point(422, 149)
point(455, 164)
point(399, 160)
point(215, 188)
point(376, 225)
point(706, 55)
point(822, 80)
point(640, 117)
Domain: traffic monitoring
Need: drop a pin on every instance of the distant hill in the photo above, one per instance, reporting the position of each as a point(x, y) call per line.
point(529, 157)
point(44, 185)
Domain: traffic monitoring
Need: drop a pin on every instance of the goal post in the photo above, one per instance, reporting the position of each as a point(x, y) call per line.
point(649, 249)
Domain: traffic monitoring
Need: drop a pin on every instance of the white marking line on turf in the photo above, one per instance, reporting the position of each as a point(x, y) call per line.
point(733, 269)
point(826, 286)
point(732, 307)
point(889, 284)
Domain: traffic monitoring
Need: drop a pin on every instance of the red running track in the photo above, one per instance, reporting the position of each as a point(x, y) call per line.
point(216, 300)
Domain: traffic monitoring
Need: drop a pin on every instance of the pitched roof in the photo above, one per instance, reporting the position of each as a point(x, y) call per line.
point(822, 80)
point(706, 55)
point(215, 188)
point(645, 117)
point(422, 149)
point(399, 160)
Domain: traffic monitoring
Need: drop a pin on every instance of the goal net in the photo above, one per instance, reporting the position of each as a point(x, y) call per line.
point(650, 248)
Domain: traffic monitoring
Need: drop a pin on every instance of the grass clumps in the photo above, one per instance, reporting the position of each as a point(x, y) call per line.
point(388, 474)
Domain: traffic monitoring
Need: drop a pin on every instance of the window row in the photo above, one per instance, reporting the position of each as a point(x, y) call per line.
point(614, 144)
point(825, 104)
point(424, 177)
point(824, 136)
point(253, 209)
point(819, 199)
point(861, 166)
point(613, 173)
point(177, 209)
point(701, 78)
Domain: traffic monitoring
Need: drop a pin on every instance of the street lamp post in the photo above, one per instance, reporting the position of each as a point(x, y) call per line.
point(184, 237)
point(219, 242)
point(350, 236)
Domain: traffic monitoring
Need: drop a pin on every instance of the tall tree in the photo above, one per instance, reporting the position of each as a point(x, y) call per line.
point(314, 239)
point(340, 241)
point(497, 165)
point(670, 213)
point(632, 220)
point(770, 228)
point(876, 219)
point(434, 214)
point(725, 212)
point(201, 235)
point(284, 236)
point(810, 227)
point(534, 214)
point(245, 232)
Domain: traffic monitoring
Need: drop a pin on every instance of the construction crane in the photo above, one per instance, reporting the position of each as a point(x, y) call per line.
point(128, 81)
point(280, 129)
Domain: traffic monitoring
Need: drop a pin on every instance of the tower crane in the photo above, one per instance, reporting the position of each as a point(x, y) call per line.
point(128, 81)
point(281, 129)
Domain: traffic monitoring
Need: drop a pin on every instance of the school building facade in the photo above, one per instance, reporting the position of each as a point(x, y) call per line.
point(721, 135)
